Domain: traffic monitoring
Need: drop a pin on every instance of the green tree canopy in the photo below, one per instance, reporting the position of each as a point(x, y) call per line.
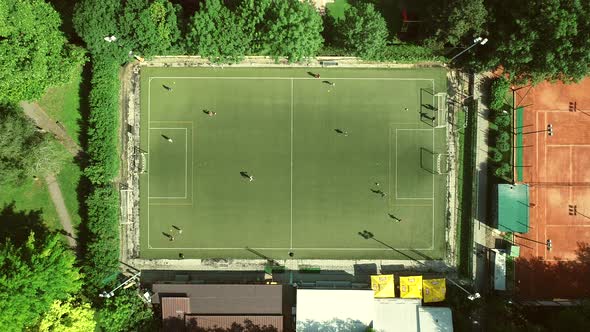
point(218, 33)
point(33, 276)
point(149, 28)
point(124, 312)
point(23, 150)
point(71, 315)
point(538, 39)
point(363, 31)
point(35, 53)
point(459, 21)
point(290, 28)
point(144, 27)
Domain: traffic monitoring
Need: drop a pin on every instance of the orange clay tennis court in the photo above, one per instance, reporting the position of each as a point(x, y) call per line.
point(557, 168)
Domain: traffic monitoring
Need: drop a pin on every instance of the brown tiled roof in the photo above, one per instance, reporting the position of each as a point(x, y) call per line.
point(225, 299)
point(205, 323)
point(173, 311)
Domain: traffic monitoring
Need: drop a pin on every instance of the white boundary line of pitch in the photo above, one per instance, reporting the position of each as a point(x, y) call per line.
point(292, 106)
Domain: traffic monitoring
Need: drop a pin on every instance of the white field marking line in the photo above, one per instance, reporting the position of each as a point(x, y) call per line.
point(396, 186)
point(185, 165)
point(568, 225)
point(570, 145)
point(297, 78)
point(148, 149)
point(291, 225)
point(275, 248)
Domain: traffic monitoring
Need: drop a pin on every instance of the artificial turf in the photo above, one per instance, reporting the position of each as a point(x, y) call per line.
point(314, 189)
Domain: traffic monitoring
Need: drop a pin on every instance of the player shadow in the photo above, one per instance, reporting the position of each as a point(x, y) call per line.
point(312, 74)
point(327, 82)
point(167, 235)
point(427, 119)
point(206, 112)
point(393, 217)
point(165, 137)
point(245, 174)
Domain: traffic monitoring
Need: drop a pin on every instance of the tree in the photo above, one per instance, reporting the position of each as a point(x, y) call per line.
point(124, 312)
point(23, 150)
point(149, 28)
point(218, 33)
point(290, 28)
point(71, 315)
point(363, 31)
point(93, 21)
point(538, 39)
point(35, 53)
point(33, 276)
point(145, 27)
point(459, 21)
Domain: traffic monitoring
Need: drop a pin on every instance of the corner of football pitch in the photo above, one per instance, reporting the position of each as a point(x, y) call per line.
point(280, 163)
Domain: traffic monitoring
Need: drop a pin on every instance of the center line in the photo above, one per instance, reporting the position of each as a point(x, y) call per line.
point(291, 231)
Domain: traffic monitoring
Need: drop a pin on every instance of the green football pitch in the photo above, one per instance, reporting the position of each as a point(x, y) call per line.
point(328, 161)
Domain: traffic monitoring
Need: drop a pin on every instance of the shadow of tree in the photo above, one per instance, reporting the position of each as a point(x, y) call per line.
point(333, 325)
point(540, 279)
point(191, 324)
point(17, 225)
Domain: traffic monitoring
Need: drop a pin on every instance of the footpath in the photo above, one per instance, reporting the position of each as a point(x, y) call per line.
point(44, 122)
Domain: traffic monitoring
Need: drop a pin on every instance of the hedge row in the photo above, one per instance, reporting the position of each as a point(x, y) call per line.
point(101, 255)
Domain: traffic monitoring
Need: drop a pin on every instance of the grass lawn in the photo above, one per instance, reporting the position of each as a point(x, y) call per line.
point(62, 103)
point(328, 161)
point(68, 179)
point(31, 196)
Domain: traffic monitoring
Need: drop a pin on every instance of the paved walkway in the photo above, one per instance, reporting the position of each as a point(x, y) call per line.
point(43, 121)
point(484, 235)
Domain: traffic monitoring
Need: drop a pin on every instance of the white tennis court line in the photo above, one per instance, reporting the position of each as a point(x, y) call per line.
point(185, 163)
point(291, 225)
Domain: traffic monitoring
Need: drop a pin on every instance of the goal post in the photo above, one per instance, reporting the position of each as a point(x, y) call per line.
point(433, 162)
point(441, 109)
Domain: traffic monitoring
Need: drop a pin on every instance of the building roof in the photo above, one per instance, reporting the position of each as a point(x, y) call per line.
point(231, 322)
point(355, 310)
point(173, 311)
point(225, 299)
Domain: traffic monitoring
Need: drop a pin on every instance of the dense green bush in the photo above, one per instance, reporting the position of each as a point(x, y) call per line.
point(503, 170)
point(503, 137)
point(500, 87)
point(409, 53)
point(101, 255)
point(496, 156)
point(503, 120)
point(103, 121)
point(503, 146)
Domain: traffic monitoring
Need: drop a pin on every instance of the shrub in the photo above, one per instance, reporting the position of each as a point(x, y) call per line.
point(496, 156)
point(503, 137)
point(409, 53)
point(500, 87)
point(503, 146)
point(503, 170)
point(502, 121)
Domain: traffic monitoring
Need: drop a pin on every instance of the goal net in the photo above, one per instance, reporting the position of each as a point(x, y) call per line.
point(435, 163)
point(441, 109)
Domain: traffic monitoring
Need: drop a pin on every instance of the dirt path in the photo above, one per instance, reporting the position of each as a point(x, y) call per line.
point(43, 121)
point(62, 211)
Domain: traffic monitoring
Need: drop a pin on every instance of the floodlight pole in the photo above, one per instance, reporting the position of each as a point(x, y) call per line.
point(112, 293)
point(476, 41)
